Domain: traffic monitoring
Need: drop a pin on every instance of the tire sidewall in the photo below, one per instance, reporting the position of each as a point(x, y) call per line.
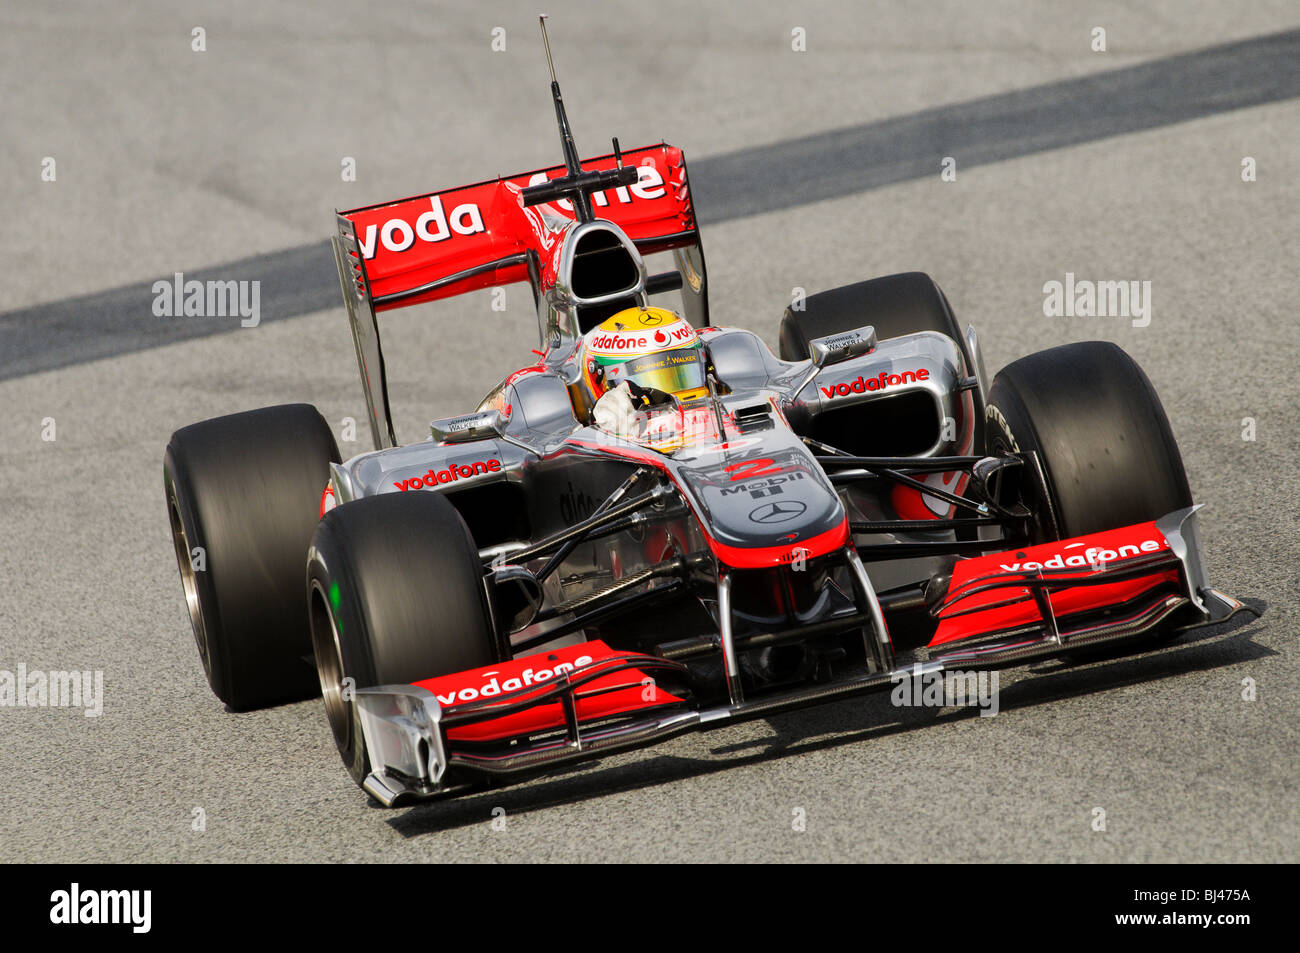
point(1008, 427)
point(354, 569)
point(246, 488)
point(212, 651)
point(327, 566)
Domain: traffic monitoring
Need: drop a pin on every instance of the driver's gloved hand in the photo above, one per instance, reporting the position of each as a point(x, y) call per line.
point(615, 412)
point(648, 396)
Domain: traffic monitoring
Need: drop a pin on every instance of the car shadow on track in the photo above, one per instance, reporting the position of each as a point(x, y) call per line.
point(843, 723)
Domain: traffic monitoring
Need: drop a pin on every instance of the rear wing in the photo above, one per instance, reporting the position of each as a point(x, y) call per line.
point(447, 243)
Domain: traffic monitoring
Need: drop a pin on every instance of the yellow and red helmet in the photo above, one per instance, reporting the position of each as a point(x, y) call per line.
point(651, 347)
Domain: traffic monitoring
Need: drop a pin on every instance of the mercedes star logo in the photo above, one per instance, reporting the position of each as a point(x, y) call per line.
point(777, 512)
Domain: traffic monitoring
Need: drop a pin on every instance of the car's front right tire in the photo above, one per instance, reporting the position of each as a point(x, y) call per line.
point(1108, 454)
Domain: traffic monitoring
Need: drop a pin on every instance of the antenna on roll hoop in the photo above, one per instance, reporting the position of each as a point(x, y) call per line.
point(575, 184)
point(571, 160)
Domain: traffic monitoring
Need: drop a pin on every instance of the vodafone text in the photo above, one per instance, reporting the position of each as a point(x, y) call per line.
point(397, 235)
point(1092, 556)
point(880, 382)
point(650, 185)
point(436, 224)
point(491, 686)
point(639, 342)
point(449, 475)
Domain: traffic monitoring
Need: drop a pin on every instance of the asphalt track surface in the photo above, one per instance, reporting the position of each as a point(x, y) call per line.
point(811, 169)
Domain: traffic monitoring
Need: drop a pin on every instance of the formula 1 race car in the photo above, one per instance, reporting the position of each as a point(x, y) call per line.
point(662, 526)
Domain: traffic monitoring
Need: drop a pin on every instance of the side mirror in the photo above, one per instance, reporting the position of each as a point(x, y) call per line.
point(835, 348)
point(476, 426)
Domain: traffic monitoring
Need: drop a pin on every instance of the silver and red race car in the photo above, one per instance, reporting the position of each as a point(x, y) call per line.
point(530, 586)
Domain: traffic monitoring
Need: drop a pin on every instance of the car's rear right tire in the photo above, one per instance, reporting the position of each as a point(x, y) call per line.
point(396, 595)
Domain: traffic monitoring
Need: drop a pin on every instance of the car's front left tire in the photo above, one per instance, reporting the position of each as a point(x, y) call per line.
point(395, 593)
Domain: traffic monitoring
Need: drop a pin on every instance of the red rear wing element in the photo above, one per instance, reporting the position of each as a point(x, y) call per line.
point(478, 236)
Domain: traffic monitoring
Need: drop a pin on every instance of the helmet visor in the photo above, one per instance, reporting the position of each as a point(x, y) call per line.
point(669, 371)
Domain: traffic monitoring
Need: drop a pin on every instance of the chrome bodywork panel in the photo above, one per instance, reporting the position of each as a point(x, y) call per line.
point(542, 442)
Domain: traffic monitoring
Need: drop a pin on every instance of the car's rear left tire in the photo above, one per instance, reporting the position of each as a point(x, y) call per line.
point(243, 497)
point(894, 305)
point(396, 595)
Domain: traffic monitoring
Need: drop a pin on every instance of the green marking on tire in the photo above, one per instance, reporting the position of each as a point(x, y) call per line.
point(335, 599)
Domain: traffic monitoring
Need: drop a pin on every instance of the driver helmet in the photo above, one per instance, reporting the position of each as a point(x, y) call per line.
point(652, 348)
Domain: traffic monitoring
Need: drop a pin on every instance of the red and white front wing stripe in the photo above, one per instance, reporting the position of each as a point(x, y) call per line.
point(618, 693)
point(1086, 554)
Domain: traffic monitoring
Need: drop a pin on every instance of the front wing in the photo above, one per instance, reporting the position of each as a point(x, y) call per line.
point(519, 718)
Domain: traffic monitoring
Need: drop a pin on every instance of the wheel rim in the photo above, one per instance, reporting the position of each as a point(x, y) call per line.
point(1000, 442)
point(329, 667)
point(189, 581)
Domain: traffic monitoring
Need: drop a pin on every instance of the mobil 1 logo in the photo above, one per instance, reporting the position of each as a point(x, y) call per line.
point(764, 487)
